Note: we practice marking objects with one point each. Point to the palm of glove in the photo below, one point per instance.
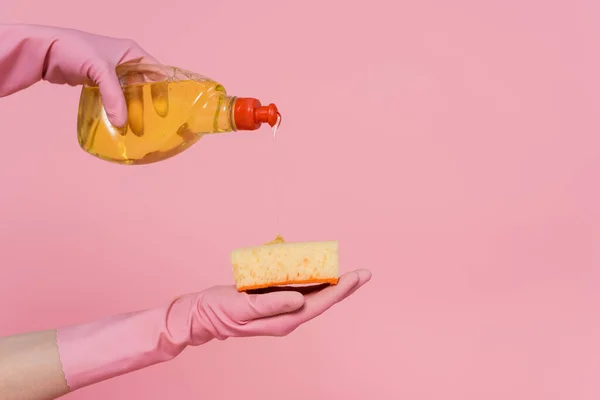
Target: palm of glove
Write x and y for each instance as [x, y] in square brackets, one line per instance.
[221, 312]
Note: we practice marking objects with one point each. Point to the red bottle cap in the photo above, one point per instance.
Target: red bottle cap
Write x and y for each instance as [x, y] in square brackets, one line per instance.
[249, 114]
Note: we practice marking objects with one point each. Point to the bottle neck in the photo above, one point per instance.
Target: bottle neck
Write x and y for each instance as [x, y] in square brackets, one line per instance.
[225, 117]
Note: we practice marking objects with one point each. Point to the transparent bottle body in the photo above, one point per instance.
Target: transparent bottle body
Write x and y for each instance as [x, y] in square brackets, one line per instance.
[169, 109]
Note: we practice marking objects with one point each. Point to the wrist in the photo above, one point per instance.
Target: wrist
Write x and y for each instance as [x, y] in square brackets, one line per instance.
[124, 343]
[23, 54]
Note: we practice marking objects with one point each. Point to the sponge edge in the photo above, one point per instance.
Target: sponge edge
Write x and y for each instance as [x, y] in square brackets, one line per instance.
[285, 264]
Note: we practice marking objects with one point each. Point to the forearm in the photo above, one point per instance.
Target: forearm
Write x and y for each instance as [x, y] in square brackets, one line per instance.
[23, 53]
[120, 344]
[48, 364]
[30, 367]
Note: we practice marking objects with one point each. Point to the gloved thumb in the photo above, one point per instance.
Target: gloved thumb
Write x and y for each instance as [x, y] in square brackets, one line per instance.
[269, 305]
[112, 95]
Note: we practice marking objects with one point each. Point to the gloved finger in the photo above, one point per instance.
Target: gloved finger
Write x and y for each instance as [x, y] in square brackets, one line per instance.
[364, 276]
[159, 91]
[257, 306]
[111, 93]
[134, 97]
[153, 71]
[314, 305]
[134, 94]
[136, 54]
[319, 302]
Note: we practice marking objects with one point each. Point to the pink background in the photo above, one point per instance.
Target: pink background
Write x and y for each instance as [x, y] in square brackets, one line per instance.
[451, 147]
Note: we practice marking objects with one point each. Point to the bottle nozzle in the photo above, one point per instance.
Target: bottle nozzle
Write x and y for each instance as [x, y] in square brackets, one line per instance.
[249, 114]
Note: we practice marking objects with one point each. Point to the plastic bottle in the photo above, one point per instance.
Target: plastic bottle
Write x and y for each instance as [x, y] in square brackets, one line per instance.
[169, 109]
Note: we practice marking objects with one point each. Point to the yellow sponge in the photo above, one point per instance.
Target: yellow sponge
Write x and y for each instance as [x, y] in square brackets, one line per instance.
[278, 263]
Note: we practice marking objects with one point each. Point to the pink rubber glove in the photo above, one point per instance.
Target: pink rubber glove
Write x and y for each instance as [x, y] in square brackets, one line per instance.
[97, 351]
[30, 53]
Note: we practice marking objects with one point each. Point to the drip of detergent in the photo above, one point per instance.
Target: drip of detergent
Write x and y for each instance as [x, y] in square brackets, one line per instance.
[276, 126]
[274, 173]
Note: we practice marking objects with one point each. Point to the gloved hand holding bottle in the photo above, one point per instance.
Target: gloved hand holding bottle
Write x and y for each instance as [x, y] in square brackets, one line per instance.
[30, 53]
[132, 109]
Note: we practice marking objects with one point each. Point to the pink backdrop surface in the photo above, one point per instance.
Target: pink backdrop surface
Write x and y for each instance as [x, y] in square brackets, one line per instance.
[451, 147]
